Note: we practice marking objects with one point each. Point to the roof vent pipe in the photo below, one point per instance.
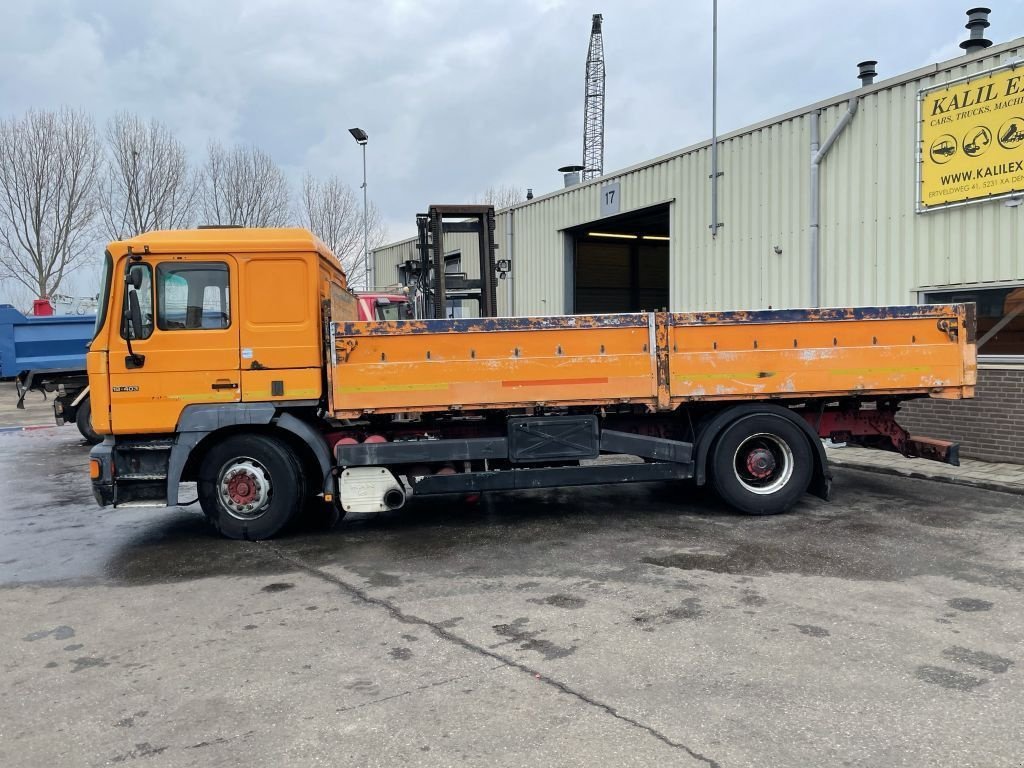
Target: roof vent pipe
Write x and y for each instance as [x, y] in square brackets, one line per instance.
[866, 72]
[571, 174]
[977, 23]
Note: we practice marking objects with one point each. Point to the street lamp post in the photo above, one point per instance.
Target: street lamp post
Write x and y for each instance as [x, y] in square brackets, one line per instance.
[362, 137]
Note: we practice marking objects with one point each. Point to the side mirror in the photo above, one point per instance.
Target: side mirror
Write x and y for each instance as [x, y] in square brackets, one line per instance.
[133, 314]
[135, 276]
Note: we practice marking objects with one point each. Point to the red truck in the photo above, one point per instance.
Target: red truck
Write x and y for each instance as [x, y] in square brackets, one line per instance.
[386, 305]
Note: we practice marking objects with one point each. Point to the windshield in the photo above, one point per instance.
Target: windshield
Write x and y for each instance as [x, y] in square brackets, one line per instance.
[396, 310]
[103, 299]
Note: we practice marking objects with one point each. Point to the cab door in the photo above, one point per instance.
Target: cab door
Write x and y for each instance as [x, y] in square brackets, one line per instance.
[186, 351]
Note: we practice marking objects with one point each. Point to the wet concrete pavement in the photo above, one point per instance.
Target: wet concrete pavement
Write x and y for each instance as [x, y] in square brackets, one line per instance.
[38, 408]
[606, 626]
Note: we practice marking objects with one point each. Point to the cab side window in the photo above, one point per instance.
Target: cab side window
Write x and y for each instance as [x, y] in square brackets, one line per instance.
[193, 296]
[144, 293]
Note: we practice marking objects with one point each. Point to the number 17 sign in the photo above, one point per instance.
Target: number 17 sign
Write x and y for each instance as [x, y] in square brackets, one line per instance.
[611, 199]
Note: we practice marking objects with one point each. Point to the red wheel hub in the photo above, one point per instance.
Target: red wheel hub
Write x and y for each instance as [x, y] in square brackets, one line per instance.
[760, 463]
[242, 488]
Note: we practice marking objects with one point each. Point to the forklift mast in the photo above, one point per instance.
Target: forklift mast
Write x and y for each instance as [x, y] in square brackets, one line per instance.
[438, 287]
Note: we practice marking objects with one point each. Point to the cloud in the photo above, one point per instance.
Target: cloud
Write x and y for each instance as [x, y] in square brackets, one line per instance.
[457, 95]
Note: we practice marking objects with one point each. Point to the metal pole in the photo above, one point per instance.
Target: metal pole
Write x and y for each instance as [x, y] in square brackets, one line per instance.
[366, 226]
[813, 223]
[510, 226]
[714, 118]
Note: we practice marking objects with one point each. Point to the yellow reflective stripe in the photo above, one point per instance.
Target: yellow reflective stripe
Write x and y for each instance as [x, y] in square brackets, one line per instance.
[895, 369]
[204, 396]
[394, 388]
[833, 372]
[737, 375]
[288, 392]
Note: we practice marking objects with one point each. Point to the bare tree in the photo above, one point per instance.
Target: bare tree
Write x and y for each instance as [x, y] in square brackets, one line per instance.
[331, 210]
[503, 196]
[49, 163]
[147, 184]
[243, 186]
[17, 295]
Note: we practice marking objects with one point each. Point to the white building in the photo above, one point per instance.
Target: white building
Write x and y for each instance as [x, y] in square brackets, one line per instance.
[640, 239]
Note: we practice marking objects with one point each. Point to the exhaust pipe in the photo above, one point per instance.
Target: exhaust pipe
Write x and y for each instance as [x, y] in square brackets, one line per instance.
[394, 498]
[570, 174]
[977, 23]
[867, 72]
[370, 489]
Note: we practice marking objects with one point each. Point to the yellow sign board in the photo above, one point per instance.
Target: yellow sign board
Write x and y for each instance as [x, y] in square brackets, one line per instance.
[972, 139]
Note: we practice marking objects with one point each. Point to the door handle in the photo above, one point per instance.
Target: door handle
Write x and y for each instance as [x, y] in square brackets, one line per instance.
[224, 384]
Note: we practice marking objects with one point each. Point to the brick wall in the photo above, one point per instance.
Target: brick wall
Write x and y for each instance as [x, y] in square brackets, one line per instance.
[990, 427]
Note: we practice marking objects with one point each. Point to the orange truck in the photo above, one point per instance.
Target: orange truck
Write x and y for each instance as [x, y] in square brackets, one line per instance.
[235, 359]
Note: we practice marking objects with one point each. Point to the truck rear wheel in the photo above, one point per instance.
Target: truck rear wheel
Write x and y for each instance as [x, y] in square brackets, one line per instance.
[762, 464]
[83, 420]
[250, 486]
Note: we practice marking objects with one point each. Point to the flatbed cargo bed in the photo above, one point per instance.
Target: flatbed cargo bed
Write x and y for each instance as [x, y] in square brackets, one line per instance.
[657, 360]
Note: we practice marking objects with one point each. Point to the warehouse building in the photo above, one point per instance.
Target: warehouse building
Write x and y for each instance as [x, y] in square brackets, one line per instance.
[903, 191]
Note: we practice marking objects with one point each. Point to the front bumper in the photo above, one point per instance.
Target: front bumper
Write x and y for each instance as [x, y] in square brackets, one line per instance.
[130, 471]
[103, 486]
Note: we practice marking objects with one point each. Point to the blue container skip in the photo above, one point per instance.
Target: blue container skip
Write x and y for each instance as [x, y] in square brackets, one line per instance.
[41, 343]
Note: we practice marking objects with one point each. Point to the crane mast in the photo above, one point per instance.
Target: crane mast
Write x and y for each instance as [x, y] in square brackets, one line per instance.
[593, 104]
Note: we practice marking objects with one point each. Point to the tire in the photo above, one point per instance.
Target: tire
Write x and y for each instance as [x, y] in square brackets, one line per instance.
[317, 514]
[762, 464]
[320, 515]
[83, 420]
[250, 486]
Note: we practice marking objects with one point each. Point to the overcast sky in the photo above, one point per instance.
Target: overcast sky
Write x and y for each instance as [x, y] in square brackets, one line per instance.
[456, 95]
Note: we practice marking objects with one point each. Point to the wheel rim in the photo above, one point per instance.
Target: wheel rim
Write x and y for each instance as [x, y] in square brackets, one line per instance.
[244, 489]
[763, 463]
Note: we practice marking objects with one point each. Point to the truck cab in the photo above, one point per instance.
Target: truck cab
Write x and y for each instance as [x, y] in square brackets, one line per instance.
[210, 316]
[194, 326]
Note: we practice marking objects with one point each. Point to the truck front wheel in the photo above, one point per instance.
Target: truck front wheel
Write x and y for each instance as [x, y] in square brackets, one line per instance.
[762, 464]
[250, 486]
[83, 420]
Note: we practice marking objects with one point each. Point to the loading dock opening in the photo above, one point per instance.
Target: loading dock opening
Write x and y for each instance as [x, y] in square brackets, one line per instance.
[620, 263]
